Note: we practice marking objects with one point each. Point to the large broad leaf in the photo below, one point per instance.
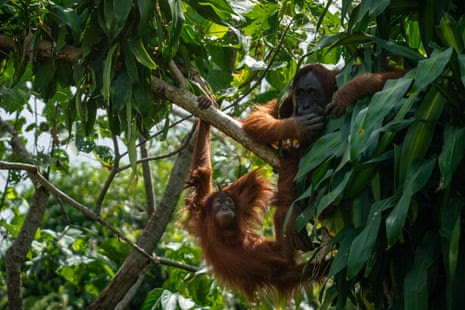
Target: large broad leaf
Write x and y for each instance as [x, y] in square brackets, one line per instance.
[121, 91]
[323, 148]
[330, 197]
[43, 81]
[451, 214]
[345, 237]
[452, 153]
[152, 301]
[218, 11]
[138, 50]
[375, 7]
[416, 281]
[121, 9]
[362, 245]
[107, 65]
[364, 127]
[420, 134]
[397, 49]
[430, 69]
[69, 18]
[449, 32]
[176, 26]
[145, 12]
[417, 176]
[461, 59]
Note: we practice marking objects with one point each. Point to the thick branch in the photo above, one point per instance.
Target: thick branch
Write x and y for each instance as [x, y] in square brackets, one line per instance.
[45, 49]
[16, 254]
[45, 184]
[217, 118]
[129, 272]
[147, 174]
[182, 98]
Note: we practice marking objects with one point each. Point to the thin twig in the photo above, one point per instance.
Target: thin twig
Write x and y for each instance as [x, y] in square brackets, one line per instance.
[151, 158]
[265, 72]
[147, 174]
[31, 169]
[182, 83]
[111, 176]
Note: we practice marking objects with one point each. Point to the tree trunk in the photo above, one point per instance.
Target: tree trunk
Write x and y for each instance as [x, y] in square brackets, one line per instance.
[134, 264]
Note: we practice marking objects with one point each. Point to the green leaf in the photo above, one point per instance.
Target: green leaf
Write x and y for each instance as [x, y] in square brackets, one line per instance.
[121, 9]
[452, 153]
[330, 197]
[218, 11]
[449, 32]
[450, 219]
[152, 301]
[146, 9]
[43, 80]
[420, 134]
[455, 246]
[417, 176]
[91, 114]
[430, 69]
[461, 60]
[374, 7]
[324, 147]
[107, 65]
[259, 18]
[138, 50]
[341, 38]
[427, 21]
[413, 34]
[416, 280]
[340, 260]
[121, 91]
[130, 63]
[362, 245]
[70, 18]
[176, 26]
[366, 126]
[397, 49]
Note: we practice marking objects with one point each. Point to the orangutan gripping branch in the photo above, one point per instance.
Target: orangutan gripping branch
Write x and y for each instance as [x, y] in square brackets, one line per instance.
[298, 122]
[224, 221]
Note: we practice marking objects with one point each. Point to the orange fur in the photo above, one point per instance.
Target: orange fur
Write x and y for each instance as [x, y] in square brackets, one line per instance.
[238, 256]
[272, 123]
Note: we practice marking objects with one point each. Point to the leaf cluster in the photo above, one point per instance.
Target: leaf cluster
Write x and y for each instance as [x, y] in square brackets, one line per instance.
[385, 180]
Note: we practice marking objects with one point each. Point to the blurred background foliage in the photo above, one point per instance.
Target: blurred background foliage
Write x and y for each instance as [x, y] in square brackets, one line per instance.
[387, 177]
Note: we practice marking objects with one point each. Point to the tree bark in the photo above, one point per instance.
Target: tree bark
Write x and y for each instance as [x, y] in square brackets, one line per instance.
[16, 254]
[217, 118]
[129, 272]
[178, 96]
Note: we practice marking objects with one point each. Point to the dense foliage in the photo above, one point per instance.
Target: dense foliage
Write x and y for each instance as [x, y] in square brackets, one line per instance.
[386, 177]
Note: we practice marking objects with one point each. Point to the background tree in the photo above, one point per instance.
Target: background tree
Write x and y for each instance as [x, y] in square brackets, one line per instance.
[101, 77]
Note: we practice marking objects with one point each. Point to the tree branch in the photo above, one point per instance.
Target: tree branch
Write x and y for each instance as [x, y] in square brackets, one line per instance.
[129, 272]
[46, 184]
[147, 174]
[217, 118]
[180, 97]
[16, 254]
[111, 176]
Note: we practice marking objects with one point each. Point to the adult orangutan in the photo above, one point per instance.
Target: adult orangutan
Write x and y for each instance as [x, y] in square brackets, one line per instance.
[298, 121]
[224, 220]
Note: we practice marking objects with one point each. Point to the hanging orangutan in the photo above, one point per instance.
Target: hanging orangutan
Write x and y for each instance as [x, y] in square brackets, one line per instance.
[224, 222]
[298, 122]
